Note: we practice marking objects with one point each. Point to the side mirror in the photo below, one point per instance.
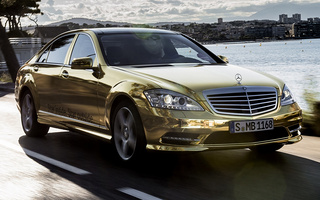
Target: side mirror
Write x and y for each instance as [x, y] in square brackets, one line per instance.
[82, 63]
[223, 58]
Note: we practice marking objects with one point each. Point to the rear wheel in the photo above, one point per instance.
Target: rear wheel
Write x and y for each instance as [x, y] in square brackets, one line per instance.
[268, 148]
[128, 134]
[29, 121]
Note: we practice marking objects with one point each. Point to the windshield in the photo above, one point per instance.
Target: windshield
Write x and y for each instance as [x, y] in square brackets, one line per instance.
[151, 48]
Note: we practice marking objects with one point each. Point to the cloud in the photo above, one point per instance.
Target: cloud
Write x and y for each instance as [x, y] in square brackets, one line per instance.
[50, 2]
[148, 11]
[175, 2]
[48, 8]
[80, 6]
[172, 11]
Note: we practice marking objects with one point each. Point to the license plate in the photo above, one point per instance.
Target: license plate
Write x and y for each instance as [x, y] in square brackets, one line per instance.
[251, 126]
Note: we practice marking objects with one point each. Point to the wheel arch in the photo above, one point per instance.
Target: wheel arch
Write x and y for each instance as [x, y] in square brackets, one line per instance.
[122, 97]
[22, 92]
[129, 90]
[26, 83]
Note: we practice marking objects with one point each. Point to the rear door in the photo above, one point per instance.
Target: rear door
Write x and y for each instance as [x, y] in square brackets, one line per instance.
[46, 72]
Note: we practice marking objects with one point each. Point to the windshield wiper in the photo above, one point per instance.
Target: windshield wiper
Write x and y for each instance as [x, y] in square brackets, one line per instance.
[146, 65]
[202, 64]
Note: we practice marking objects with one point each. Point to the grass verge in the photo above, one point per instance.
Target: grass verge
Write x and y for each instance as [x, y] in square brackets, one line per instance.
[5, 77]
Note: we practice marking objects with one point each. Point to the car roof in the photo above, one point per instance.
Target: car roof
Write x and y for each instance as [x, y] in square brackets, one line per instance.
[103, 31]
[119, 30]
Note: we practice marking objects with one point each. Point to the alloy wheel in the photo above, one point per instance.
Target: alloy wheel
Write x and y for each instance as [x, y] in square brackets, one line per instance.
[125, 137]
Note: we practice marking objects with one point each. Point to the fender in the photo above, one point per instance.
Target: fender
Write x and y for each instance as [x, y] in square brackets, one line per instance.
[127, 89]
[26, 82]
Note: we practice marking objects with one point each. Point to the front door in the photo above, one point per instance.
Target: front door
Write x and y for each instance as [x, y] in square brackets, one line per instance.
[79, 92]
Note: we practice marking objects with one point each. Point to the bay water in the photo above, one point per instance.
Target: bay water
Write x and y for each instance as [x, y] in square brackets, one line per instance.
[296, 62]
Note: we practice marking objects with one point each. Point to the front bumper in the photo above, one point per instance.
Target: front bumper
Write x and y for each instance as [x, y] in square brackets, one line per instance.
[198, 131]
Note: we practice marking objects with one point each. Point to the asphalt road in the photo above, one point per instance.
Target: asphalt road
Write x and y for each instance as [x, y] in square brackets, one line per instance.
[65, 165]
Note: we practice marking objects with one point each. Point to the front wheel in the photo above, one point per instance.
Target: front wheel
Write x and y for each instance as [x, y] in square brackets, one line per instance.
[128, 135]
[29, 121]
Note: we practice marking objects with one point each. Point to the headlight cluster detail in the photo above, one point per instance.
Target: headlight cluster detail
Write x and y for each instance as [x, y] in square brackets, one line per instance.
[161, 98]
[287, 97]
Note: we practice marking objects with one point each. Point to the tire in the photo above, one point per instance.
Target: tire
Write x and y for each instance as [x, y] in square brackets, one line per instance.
[29, 118]
[268, 148]
[127, 132]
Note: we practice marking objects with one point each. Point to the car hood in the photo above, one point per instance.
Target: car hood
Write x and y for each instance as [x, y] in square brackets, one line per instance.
[199, 78]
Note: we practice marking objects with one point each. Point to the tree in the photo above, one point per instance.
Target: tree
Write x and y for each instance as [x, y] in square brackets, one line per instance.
[8, 53]
[13, 10]
[71, 25]
[99, 25]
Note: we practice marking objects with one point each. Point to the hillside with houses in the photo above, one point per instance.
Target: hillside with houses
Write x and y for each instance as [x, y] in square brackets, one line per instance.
[253, 30]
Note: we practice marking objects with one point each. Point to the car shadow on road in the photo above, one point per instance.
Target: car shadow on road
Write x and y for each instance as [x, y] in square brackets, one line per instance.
[233, 174]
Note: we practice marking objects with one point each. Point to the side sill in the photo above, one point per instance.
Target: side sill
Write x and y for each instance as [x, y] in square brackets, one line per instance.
[60, 121]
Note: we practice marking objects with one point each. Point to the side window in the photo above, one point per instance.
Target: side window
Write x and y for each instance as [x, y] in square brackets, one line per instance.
[83, 48]
[43, 57]
[59, 49]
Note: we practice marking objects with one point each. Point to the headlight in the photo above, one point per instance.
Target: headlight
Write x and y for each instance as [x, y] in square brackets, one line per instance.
[160, 98]
[287, 97]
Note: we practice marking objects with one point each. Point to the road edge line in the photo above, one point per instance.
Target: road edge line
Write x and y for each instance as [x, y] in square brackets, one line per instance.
[44, 158]
[137, 194]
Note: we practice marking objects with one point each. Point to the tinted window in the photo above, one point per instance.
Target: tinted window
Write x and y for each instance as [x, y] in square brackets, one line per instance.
[140, 49]
[59, 50]
[83, 48]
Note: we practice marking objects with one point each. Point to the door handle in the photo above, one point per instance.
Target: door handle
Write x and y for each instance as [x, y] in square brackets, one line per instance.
[36, 68]
[65, 74]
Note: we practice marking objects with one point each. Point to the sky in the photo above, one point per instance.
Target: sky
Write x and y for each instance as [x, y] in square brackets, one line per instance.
[152, 11]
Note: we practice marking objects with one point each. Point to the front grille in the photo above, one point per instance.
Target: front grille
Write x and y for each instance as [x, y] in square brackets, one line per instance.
[242, 100]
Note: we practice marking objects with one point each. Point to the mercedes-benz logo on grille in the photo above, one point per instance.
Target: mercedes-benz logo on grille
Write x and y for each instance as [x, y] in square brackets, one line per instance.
[238, 78]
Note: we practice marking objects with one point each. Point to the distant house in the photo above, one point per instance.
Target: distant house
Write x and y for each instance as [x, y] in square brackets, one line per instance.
[46, 33]
[306, 29]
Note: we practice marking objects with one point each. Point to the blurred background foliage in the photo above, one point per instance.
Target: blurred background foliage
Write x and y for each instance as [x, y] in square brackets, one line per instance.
[311, 117]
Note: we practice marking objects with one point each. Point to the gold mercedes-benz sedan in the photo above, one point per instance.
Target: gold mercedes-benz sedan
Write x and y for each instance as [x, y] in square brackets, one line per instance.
[152, 89]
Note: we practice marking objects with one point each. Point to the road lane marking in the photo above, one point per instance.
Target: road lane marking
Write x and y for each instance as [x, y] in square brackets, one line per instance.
[138, 194]
[43, 158]
[56, 163]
